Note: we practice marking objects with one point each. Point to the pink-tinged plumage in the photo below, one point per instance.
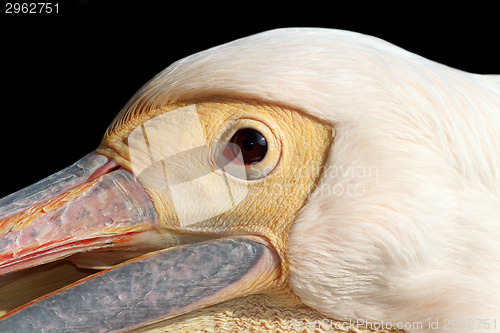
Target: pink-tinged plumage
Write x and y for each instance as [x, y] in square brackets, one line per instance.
[403, 224]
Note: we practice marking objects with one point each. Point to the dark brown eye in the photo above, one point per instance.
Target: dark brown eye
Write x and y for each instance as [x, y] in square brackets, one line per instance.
[247, 144]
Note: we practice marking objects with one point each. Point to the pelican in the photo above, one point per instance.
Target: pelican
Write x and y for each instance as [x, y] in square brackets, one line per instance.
[297, 179]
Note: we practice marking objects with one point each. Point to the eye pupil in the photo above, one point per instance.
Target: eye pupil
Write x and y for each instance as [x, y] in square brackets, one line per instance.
[250, 143]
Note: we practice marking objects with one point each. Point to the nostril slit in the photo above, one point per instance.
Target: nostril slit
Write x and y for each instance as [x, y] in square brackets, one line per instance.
[106, 168]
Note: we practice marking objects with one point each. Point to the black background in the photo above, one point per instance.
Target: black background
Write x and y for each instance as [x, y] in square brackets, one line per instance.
[65, 76]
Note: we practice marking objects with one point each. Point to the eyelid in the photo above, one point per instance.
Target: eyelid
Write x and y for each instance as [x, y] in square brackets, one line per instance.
[254, 172]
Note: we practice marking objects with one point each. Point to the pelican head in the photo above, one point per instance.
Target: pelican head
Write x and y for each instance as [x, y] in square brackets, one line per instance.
[362, 178]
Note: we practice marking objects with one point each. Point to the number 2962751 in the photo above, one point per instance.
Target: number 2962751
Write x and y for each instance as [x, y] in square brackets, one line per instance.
[31, 8]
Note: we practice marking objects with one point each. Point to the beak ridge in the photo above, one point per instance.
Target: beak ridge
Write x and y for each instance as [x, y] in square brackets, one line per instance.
[83, 207]
[56, 184]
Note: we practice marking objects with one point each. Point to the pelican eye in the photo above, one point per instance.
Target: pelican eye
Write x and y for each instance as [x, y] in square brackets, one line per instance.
[248, 149]
[248, 142]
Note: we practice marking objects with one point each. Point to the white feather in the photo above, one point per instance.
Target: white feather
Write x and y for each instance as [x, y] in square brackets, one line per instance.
[404, 223]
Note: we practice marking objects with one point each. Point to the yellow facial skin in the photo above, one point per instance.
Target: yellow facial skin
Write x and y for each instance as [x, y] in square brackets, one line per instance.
[265, 206]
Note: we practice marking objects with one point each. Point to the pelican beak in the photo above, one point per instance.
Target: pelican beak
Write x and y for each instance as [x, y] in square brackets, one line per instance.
[92, 204]
[95, 207]
[193, 229]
